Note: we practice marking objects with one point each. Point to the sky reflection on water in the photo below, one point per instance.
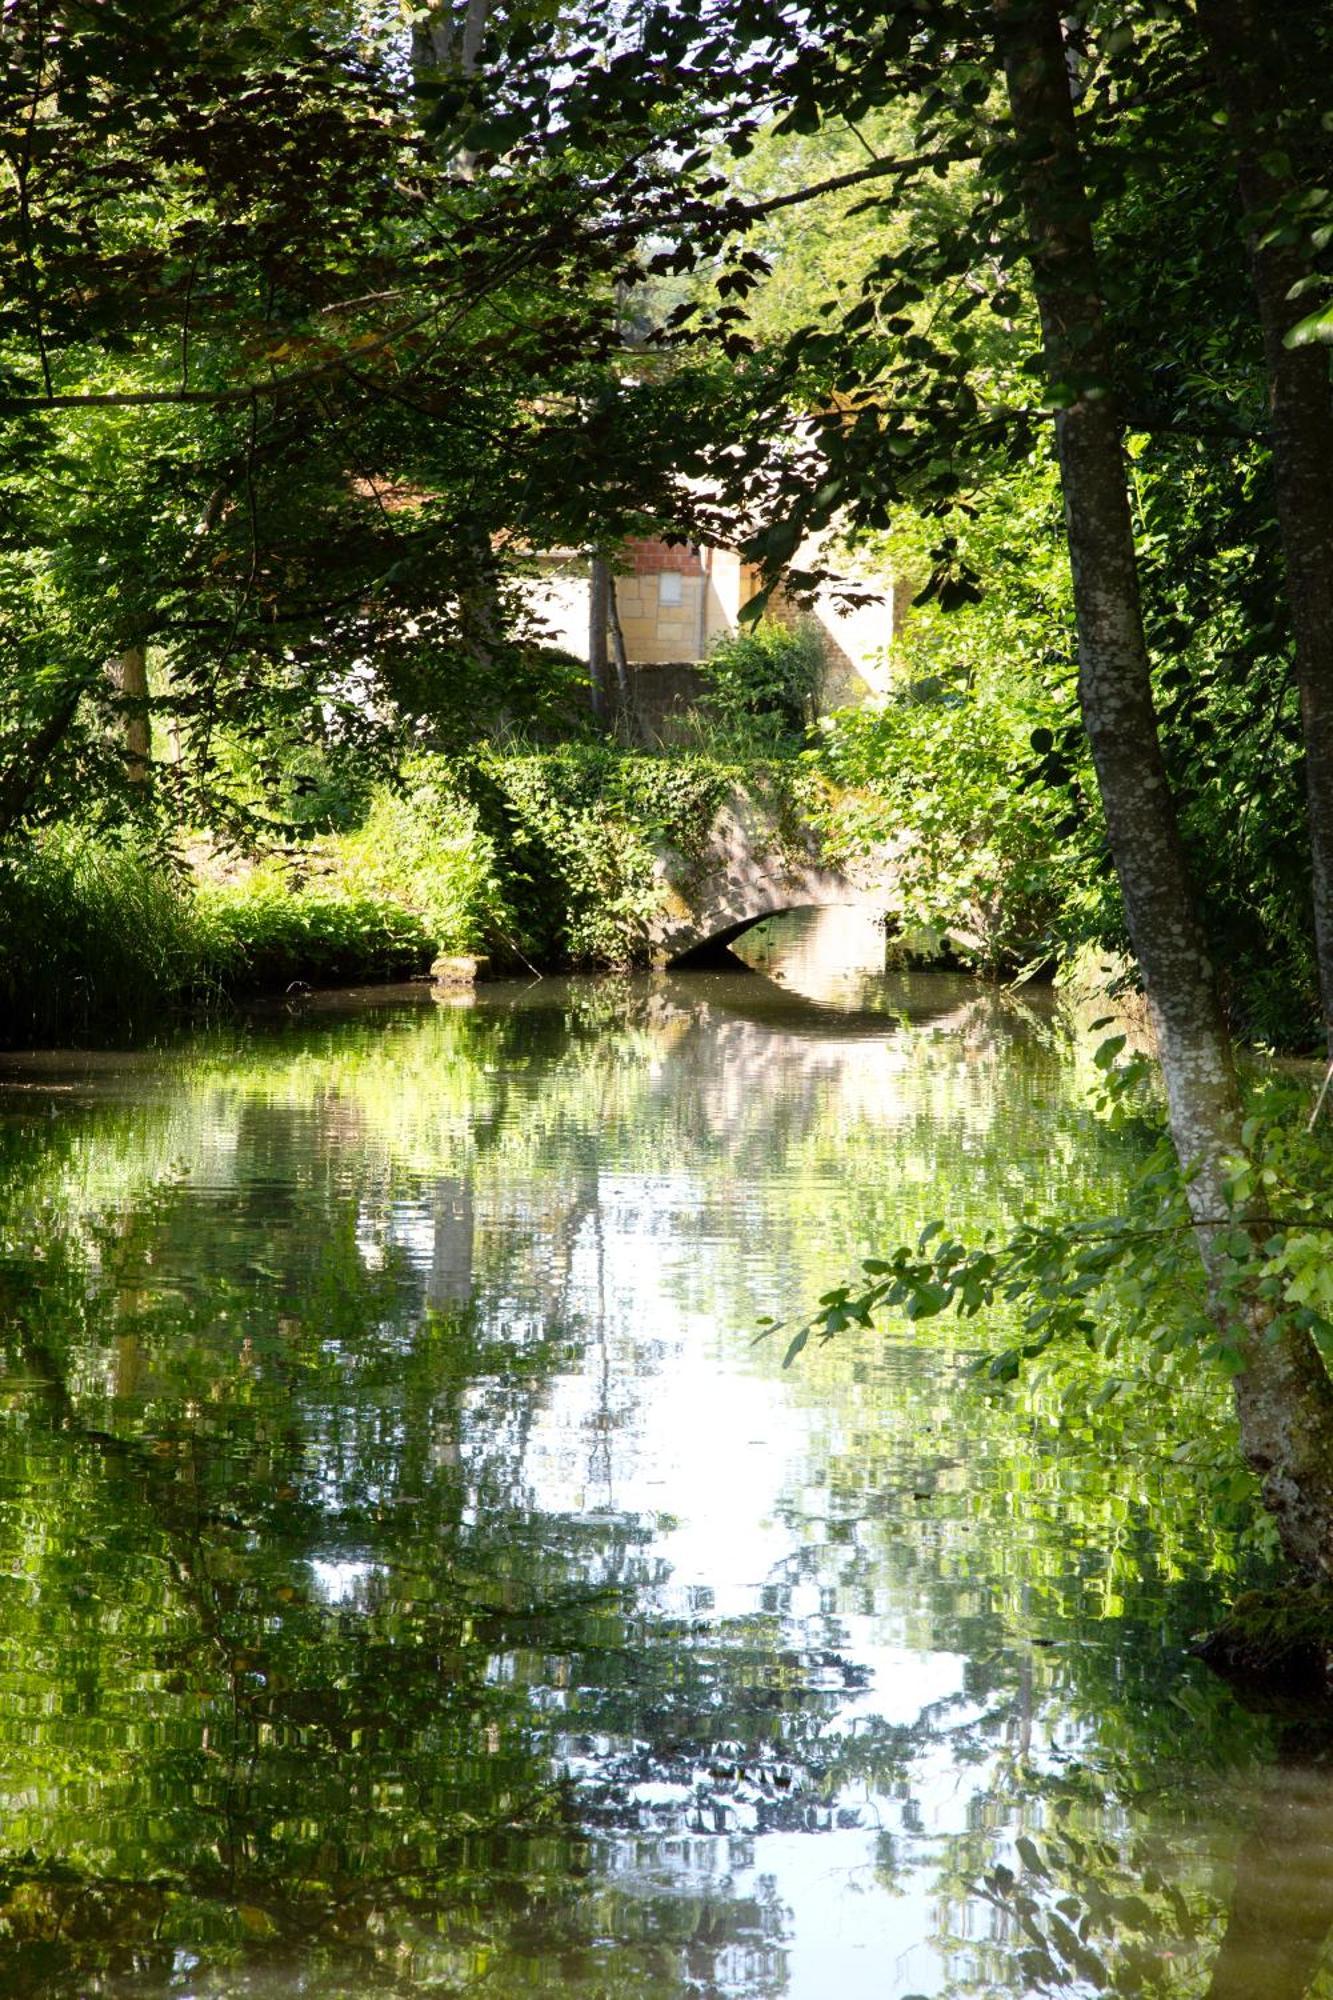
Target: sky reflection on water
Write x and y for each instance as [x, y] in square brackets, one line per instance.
[417, 1579]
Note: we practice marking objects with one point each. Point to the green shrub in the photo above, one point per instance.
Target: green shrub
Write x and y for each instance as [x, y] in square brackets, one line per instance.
[946, 772]
[417, 877]
[763, 684]
[548, 857]
[264, 932]
[105, 938]
[576, 833]
[421, 847]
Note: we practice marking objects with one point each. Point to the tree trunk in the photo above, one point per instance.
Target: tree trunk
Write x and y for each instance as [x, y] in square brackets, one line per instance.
[132, 679]
[442, 45]
[476, 20]
[438, 45]
[1248, 59]
[481, 617]
[624, 689]
[445, 46]
[1284, 1398]
[433, 43]
[599, 611]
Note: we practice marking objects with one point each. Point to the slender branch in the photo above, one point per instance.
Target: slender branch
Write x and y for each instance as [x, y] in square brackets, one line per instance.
[732, 216]
[365, 299]
[860, 138]
[877, 170]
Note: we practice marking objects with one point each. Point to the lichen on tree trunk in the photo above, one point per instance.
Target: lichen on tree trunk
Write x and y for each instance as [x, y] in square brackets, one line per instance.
[624, 686]
[132, 679]
[599, 611]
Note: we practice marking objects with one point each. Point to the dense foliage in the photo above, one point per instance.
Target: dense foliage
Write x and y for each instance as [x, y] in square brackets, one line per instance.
[289, 389]
[544, 859]
[311, 336]
[762, 685]
[978, 757]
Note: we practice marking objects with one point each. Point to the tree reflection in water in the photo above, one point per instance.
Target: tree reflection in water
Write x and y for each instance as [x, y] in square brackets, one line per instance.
[1080, 1913]
[355, 1638]
[1281, 1909]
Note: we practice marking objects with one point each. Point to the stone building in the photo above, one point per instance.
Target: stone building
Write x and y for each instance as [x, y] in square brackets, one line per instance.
[675, 600]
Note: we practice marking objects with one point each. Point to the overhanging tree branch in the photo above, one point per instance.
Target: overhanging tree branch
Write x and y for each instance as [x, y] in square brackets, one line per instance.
[877, 170]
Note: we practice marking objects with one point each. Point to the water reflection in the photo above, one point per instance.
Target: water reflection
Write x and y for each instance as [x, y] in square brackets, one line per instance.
[414, 1579]
[836, 956]
[1281, 1908]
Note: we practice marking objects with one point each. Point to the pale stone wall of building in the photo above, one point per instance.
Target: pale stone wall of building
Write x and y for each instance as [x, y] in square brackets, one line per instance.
[856, 645]
[557, 598]
[856, 639]
[668, 616]
[675, 602]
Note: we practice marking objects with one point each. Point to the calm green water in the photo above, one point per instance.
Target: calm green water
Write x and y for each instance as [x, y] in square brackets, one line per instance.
[414, 1579]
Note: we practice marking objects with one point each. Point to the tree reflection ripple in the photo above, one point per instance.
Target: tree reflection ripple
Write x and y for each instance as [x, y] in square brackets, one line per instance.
[416, 1580]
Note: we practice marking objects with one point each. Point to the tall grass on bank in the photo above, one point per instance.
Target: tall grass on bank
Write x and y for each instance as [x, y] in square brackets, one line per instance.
[101, 938]
[93, 933]
[267, 931]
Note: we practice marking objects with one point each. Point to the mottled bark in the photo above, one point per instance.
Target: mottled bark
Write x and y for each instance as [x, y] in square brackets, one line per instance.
[1248, 62]
[620, 658]
[481, 618]
[476, 20]
[444, 41]
[132, 679]
[1284, 1399]
[447, 44]
[433, 43]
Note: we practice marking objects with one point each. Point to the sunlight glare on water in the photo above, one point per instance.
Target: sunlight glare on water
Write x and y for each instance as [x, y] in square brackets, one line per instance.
[418, 1579]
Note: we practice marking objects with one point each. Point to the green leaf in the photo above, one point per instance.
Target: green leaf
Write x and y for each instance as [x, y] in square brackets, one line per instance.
[1316, 326]
[796, 1346]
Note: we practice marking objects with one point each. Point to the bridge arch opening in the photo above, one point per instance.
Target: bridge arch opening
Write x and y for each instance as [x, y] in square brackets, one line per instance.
[714, 953]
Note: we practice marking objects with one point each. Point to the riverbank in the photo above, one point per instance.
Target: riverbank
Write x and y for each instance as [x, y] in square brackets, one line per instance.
[544, 860]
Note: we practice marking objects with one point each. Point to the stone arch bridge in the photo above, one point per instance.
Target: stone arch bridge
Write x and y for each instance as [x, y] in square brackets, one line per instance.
[751, 865]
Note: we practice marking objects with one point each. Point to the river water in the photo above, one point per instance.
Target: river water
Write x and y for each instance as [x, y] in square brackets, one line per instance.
[415, 1578]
